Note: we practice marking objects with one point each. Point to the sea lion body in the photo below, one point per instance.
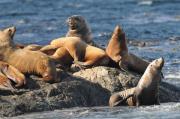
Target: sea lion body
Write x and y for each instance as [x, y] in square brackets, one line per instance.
[117, 50]
[147, 90]
[82, 53]
[25, 61]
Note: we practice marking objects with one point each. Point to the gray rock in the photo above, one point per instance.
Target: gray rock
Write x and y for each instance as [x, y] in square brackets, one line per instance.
[90, 87]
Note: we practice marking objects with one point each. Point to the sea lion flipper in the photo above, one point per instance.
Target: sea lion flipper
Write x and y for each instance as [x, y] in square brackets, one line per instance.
[123, 67]
[121, 101]
[13, 74]
[80, 64]
[48, 49]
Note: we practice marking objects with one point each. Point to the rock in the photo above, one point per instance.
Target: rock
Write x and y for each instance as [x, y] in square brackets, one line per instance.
[142, 43]
[115, 80]
[90, 87]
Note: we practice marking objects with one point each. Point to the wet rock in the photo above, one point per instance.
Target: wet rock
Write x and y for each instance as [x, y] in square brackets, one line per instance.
[115, 80]
[174, 38]
[90, 87]
[142, 43]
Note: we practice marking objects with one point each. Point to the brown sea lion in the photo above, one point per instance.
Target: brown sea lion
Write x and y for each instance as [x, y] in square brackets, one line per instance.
[117, 50]
[60, 56]
[25, 61]
[83, 55]
[7, 73]
[147, 90]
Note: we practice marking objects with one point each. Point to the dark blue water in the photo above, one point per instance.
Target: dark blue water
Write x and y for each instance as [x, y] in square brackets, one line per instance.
[153, 21]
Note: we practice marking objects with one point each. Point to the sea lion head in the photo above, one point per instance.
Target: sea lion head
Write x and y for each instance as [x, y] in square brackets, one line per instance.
[76, 22]
[6, 35]
[158, 63]
[117, 46]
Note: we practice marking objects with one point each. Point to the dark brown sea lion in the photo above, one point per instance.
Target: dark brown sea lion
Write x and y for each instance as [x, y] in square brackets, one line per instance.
[117, 50]
[147, 90]
[25, 61]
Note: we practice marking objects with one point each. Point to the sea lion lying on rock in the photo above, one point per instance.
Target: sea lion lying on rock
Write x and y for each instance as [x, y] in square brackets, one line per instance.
[82, 54]
[25, 61]
[117, 50]
[7, 73]
[147, 90]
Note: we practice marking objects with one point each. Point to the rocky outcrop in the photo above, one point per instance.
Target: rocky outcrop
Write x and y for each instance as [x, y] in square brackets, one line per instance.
[90, 87]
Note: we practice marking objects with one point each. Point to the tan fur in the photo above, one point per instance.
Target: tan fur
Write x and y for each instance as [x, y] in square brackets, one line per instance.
[26, 61]
[62, 57]
[117, 50]
[81, 52]
[7, 73]
[147, 90]
[33, 47]
[117, 47]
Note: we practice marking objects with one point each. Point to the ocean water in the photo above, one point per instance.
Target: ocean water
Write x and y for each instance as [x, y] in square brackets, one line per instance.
[154, 21]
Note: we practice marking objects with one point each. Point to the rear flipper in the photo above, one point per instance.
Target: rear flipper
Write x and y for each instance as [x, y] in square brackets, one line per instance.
[5, 83]
[13, 74]
[120, 102]
[49, 49]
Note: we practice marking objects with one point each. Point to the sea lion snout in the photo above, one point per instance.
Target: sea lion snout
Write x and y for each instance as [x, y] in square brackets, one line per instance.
[11, 31]
[73, 21]
[159, 63]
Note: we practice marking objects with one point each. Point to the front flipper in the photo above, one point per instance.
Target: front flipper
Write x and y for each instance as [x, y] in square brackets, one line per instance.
[13, 74]
[81, 65]
[123, 67]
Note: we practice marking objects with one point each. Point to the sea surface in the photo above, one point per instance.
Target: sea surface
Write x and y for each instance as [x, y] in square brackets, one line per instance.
[155, 22]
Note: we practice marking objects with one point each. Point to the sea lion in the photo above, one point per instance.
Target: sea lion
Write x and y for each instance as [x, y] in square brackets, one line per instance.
[117, 50]
[7, 73]
[78, 27]
[147, 90]
[60, 56]
[83, 55]
[25, 61]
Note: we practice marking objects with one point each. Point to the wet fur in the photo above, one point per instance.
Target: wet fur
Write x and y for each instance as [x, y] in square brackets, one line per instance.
[147, 90]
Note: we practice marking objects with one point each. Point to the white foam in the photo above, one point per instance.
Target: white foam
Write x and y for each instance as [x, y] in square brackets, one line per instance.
[173, 76]
[146, 2]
